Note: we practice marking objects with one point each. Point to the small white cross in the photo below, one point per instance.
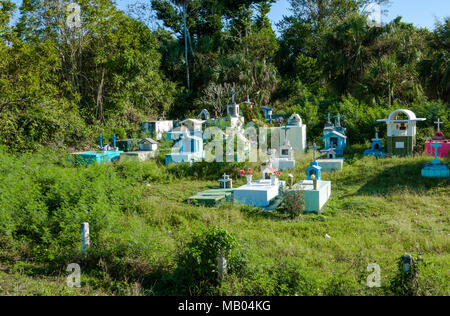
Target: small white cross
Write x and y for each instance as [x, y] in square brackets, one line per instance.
[439, 123]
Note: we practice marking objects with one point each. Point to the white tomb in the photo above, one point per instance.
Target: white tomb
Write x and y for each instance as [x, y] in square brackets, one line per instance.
[285, 159]
[314, 199]
[157, 128]
[331, 163]
[294, 132]
[139, 155]
[260, 193]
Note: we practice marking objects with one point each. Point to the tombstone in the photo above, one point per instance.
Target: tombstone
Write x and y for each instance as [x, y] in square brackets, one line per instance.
[204, 115]
[157, 128]
[285, 159]
[261, 193]
[376, 149]
[148, 144]
[334, 136]
[267, 112]
[314, 169]
[226, 182]
[436, 169]
[233, 113]
[315, 195]
[444, 149]
[194, 126]
[190, 150]
[294, 132]
[401, 132]
[295, 120]
[147, 149]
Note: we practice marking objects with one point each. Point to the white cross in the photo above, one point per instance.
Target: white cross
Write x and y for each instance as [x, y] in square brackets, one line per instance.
[439, 122]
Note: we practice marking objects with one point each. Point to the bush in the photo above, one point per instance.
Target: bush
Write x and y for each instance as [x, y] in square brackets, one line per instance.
[293, 203]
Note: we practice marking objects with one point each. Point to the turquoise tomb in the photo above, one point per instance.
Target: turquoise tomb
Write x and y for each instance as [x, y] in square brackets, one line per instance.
[436, 169]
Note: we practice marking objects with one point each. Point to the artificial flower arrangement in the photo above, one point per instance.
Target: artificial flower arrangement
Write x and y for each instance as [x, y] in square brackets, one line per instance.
[247, 172]
[280, 120]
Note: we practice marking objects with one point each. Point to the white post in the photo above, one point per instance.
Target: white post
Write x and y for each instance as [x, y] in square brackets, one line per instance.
[221, 264]
[85, 242]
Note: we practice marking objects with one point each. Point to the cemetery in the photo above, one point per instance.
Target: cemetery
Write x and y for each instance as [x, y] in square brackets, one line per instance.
[197, 148]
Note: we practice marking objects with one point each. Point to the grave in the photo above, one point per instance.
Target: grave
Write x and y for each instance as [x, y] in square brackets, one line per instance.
[157, 128]
[444, 149]
[331, 162]
[215, 196]
[334, 135]
[401, 132]
[147, 149]
[106, 153]
[436, 169]
[262, 192]
[204, 115]
[294, 132]
[315, 196]
[212, 197]
[267, 112]
[233, 113]
[226, 182]
[285, 159]
[314, 169]
[190, 149]
[376, 149]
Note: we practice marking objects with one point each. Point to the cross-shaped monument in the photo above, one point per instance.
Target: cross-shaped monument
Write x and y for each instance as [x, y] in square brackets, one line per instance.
[338, 119]
[285, 131]
[101, 138]
[436, 145]
[114, 139]
[439, 123]
[314, 147]
[329, 118]
[233, 93]
[376, 139]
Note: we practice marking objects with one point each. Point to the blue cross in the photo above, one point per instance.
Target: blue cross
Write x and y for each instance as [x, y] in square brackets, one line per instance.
[101, 138]
[436, 145]
[114, 138]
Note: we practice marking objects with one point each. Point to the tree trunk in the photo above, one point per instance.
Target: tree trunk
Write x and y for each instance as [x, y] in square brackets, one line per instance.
[100, 96]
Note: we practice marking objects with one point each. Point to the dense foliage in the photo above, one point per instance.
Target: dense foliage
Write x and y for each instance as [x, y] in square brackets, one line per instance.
[60, 85]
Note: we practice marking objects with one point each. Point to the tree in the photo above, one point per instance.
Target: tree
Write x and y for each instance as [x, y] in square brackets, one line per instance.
[435, 67]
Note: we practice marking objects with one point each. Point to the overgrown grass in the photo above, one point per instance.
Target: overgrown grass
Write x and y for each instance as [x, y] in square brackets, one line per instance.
[141, 227]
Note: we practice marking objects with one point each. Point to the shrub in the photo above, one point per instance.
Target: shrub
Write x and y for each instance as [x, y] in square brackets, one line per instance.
[293, 203]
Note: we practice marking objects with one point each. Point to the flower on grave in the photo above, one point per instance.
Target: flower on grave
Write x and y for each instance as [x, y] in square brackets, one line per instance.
[293, 203]
[280, 120]
[247, 172]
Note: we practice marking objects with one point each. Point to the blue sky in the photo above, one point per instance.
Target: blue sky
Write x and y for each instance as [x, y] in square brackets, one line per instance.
[419, 12]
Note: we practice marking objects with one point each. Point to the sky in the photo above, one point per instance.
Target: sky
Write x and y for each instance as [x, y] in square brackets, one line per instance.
[419, 12]
[423, 13]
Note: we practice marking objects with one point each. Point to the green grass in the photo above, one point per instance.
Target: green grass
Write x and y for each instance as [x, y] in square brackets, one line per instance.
[380, 209]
